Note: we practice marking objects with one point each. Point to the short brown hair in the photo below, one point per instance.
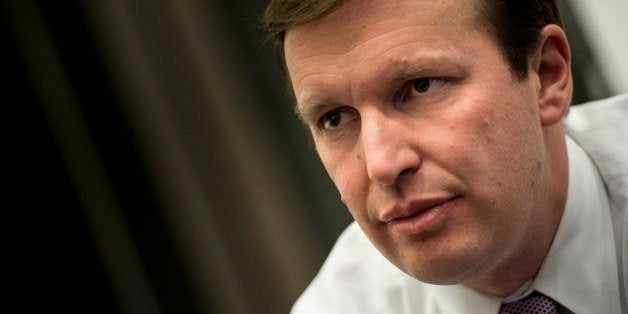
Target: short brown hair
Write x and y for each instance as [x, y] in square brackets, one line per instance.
[516, 24]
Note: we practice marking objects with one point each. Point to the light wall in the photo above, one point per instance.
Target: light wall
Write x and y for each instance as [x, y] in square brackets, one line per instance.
[605, 27]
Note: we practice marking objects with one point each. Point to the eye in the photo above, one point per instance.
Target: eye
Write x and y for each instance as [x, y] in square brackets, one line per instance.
[423, 86]
[334, 119]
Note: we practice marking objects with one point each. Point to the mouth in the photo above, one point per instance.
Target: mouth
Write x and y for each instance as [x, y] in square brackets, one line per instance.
[418, 216]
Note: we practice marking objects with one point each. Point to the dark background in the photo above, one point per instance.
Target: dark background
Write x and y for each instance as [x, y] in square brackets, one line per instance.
[155, 163]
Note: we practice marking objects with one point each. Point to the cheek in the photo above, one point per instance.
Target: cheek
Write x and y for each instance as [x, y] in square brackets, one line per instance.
[459, 144]
[503, 153]
[491, 149]
[347, 171]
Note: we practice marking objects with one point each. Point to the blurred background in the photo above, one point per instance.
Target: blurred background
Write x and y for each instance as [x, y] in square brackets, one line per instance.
[156, 164]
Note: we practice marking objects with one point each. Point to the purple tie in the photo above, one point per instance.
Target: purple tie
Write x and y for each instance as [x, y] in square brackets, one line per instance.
[535, 303]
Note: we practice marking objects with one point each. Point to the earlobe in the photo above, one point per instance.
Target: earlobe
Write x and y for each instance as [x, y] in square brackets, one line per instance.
[552, 64]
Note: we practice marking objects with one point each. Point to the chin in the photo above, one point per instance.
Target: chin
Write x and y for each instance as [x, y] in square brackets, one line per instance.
[439, 274]
[447, 268]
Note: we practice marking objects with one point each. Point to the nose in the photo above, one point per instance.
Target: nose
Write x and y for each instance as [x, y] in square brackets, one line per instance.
[389, 148]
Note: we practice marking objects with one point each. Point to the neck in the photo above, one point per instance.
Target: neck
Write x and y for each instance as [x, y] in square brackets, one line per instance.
[511, 274]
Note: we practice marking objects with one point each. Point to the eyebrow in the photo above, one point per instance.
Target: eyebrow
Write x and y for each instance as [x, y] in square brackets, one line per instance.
[307, 110]
[425, 68]
[409, 73]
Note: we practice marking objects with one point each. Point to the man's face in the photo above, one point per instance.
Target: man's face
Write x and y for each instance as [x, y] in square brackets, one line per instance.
[436, 149]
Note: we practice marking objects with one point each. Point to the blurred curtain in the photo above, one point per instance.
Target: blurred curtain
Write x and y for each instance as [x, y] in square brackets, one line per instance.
[197, 185]
[162, 167]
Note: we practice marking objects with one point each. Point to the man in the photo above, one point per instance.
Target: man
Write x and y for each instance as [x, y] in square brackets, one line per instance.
[440, 123]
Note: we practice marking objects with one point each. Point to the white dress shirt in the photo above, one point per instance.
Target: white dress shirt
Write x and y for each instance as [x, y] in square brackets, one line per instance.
[583, 270]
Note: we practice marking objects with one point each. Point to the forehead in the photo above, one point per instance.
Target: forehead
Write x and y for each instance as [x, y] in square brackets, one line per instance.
[359, 21]
[363, 38]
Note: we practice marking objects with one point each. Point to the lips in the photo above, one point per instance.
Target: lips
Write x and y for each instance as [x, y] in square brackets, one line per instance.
[417, 216]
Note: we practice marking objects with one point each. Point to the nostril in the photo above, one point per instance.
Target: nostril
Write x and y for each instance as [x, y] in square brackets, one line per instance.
[407, 171]
[406, 175]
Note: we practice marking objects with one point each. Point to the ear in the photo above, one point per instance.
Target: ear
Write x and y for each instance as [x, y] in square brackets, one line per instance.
[551, 62]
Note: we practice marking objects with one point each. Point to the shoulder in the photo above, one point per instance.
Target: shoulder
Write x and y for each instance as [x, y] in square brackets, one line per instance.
[355, 278]
[601, 128]
[599, 114]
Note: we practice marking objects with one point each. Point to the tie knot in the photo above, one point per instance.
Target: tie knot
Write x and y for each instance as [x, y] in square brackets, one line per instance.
[535, 303]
